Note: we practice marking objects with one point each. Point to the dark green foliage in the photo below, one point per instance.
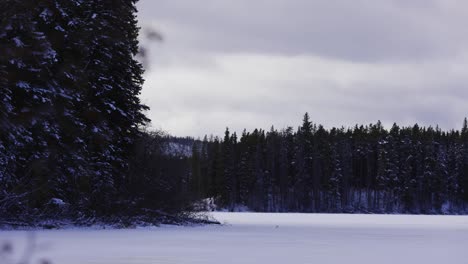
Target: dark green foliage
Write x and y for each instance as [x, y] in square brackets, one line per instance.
[364, 169]
[70, 113]
[159, 176]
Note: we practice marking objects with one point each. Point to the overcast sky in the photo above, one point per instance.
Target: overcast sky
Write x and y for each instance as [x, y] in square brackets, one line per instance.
[256, 63]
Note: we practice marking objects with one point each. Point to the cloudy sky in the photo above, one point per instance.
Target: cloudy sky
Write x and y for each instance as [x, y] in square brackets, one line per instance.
[256, 63]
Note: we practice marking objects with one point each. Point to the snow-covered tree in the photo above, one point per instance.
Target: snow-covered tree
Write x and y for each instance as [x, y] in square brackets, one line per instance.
[70, 111]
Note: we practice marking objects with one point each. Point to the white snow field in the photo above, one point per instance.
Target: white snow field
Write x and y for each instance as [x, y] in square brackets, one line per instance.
[264, 238]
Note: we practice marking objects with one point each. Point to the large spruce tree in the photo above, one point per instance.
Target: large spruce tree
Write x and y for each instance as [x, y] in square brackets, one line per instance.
[70, 111]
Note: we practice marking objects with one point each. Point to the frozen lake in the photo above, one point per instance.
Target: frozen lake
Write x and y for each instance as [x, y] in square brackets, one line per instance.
[264, 238]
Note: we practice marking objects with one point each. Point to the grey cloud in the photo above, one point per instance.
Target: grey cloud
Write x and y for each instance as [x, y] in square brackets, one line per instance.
[361, 30]
[281, 90]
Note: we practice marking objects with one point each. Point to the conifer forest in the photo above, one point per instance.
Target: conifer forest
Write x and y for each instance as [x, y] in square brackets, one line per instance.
[365, 169]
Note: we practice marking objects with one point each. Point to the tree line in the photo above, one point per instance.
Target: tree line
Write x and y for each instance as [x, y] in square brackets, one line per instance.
[366, 169]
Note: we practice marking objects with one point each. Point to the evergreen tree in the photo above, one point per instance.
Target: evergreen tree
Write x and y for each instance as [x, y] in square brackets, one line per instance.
[196, 177]
[463, 171]
[246, 174]
[335, 181]
[306, 154]
[70, 113]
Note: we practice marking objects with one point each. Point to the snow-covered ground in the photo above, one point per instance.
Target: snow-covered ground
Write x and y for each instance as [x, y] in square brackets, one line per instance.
[264, 238]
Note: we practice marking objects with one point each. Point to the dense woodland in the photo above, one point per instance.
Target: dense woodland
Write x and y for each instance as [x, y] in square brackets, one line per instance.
[71, 138]
[73, 143]
[364, 169]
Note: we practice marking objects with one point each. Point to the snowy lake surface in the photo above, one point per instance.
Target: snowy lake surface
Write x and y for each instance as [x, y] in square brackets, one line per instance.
[263, 238]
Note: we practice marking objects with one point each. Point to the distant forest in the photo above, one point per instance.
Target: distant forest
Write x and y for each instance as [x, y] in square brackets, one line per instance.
[365, 169]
